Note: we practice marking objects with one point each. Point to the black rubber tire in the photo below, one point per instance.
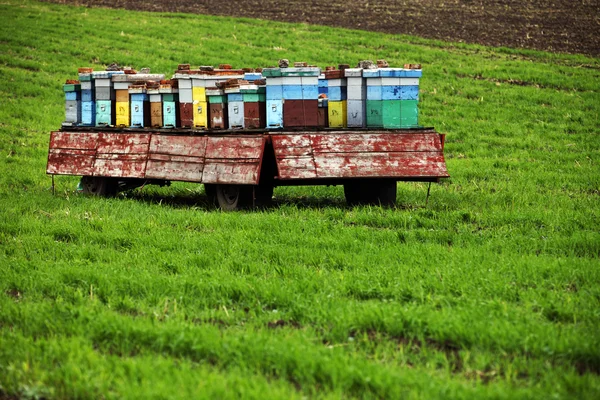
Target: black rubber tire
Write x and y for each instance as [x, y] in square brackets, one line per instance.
[233, 197]
[385, 193]
[99, 186]
[370, 192]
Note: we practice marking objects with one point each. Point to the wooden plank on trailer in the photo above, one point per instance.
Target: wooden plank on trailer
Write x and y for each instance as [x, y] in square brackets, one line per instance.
[293, 155]
[120, 165]
[235, 147]
[296, 168]
[73, 140]
[233, 159]
[360, 143]
[122, 155]
[71, 153]
[70, 162]
[176, 168]
[178, 158]
[242, 172]
[402, 164]
[193, 146]
[123, 143]
[292, 145]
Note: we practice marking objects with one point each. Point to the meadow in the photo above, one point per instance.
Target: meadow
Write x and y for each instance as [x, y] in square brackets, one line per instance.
[491, 290]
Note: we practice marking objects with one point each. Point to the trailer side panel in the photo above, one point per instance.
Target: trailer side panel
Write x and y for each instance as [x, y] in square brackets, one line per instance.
[359, 155]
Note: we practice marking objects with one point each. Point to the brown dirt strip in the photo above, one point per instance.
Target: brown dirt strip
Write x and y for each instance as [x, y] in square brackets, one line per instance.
[569, 26]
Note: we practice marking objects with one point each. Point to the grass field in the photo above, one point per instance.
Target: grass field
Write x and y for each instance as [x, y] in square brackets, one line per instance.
[492, 290]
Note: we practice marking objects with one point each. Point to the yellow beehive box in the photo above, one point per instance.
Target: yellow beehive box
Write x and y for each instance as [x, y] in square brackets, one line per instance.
[122, 113]
[199, 94]
[200, 113]
[337, 114]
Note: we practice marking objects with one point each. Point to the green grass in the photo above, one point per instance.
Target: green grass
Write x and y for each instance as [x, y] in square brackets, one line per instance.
[492, 290]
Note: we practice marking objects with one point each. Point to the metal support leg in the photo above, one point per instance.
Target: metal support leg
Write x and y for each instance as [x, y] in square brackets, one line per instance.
[428, 191]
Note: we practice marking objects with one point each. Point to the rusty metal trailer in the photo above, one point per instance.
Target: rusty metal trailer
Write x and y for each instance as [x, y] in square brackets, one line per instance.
[242, 168]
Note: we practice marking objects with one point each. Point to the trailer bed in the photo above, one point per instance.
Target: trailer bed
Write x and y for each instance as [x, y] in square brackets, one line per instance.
[233, 158]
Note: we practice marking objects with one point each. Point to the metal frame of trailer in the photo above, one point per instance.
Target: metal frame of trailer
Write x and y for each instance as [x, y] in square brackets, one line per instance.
[241, 168]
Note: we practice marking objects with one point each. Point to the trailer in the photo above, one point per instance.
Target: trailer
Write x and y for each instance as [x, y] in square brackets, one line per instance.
[241, 168]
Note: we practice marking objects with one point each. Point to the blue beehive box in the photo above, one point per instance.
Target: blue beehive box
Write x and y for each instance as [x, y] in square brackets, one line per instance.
[138, 102]
[322, 84]
[390, 92]
[292, 92]
[409, 93]
[373, 92]
[274, 114]
[88, 113]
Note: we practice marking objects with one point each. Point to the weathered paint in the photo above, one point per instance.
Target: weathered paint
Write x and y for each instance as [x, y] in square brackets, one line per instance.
[209, 159]
[274, 109]
[338, 114]
[233, 159]
[218, 115]
[186, 115]
[104, 113]
[200, 109]
[293, 113]
[122, 113]
[311, 113]
[356, 113]
[156, 114]
[237, 159]
[374, 113]
[254, 115]
[348, 154]
[235, 112]
[176, 158]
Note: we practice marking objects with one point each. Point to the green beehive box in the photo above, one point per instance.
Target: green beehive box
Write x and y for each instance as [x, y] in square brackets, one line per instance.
[170, 97]
[253, 97]
[217, 99]
[374, 113]
[70, 87]
[271, 72]
[391, 117]
[409, 113]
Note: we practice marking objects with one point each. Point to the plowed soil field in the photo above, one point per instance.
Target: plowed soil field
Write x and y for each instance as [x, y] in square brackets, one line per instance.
[551, 25]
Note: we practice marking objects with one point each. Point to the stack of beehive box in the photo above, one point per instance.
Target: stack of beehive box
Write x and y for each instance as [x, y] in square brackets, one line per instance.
[132, 106]
[72, 89]
[337, 97]
[323, 118]
[357, 96]
[253, 90]
[292, 96]
[88, 103]
[392, 97]
[193, 101]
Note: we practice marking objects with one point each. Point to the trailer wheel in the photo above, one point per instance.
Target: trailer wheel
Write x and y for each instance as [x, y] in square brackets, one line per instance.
[373, 192]
[385, 193]
[99, 186]
[233, 197]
